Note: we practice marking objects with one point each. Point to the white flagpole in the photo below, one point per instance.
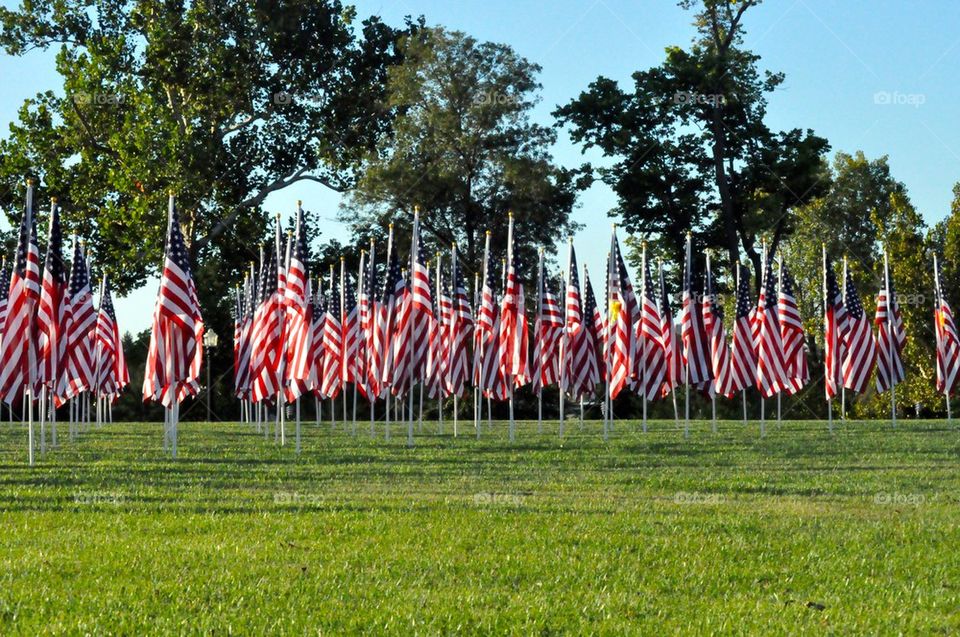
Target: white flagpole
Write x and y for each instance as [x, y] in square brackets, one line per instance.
[439, 306]
[42, 405]
[510, 377]
[938, 304]
[643, 344]
[713, 382]
[890, 326]
[779, 289]
[564, 336]
[537, 336]
[414, 250]
[455, 416]
[298, 425]
[763, 288]
[477, 357]
[743, 392]
[53, 420]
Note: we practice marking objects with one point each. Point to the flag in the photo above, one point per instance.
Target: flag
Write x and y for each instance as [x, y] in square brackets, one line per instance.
[332, 379]
[110, 364]
[439, 346]
[695, 348]
[716, 338]
[421, 306]
[368, 324]
[672, 345]
[19, 345]
[350, 338]
[547, 328]
[836, 325]
[486, 317]
[79, 321]
[297, 321]
[4, 292]
[51, 311]
[791, 334]
[743, 356]
[571, 354]
[619, 349]
[461, 328]
[391, 305]
[948, 343]
[318, 315]
[771, 375]
[593, 326]
[514, 340]
[891, 336]
[653, 362]
[860, 345]
[267, 348]
[177, 334]
[241, 342]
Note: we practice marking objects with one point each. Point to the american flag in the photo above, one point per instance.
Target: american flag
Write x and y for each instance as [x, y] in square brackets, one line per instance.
[351, 370]
[492, 381]
[80, 318]
[390, 305]
[572, 356]
[791, 333]
[439, 347]
[368, 319]
[619, 349]
[948, 343]
[4, 292]
[860, 345]
[486, 317]
[267, 330]
[891, 336]
[695, 348]
[51, 311]
[672, 346]
[399, 364]
[771, 373]
[547, 329]
[19, 371]
[743, 356]
[241, 342]
[332, 379]
[593, 323]
[112, 374]
[629, 305]
[177, 334]
[318, 320]
[297, 324]
[421, 306]
[653, 361]
[716, 337]
[514, 343]
[461, 327]
[835, 325]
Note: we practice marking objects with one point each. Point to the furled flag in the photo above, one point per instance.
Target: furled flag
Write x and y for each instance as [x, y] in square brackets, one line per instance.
[177, 334]
[547, 328]
[394, 289]
[369, 309]
[350, 328]
[461, 328]
[791, 333]
[492, 381]
[593, 328]
[836, 325]
[79, 321]
[297, 323]
[241, 350]
[438, 352]
[19, 346]
[112, 374]
[619, 349]
[332, 381]
[51, 311]
[4, 291]
[653, 361]
[267, 339]
[672, 345]
[585, 373]
[319, 322]
[514, 343]
[860, 345]
[571, 354]
[695, 348]
[421, 306]
[771, 375]
[743, 356]
[891, 336]
[948, 343]
[486, 314]
[716, 338]
[629, 305]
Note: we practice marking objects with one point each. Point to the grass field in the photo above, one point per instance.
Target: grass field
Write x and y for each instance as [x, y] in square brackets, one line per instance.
[802, 531]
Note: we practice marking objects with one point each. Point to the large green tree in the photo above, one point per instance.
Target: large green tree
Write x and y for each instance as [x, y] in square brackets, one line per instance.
[689, 146]
[465, 150]
[223, 102]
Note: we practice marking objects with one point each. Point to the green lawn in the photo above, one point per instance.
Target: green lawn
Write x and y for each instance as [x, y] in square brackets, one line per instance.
[802, 531]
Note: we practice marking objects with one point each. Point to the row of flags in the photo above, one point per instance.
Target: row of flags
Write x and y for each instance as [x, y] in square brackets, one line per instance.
[54, 343]
[295, 334]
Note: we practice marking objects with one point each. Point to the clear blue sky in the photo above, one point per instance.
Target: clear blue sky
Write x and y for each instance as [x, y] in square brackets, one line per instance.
[837, 55]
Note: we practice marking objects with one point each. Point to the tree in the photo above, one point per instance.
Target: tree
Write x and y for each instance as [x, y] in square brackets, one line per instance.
[465, 151]
[223, 102]
[690, 147]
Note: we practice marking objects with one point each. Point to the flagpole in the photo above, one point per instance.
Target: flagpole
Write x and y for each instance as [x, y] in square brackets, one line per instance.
[298, 425]
[763, 284]
[564, 336]
[414, 255]
[779, 289]
[439, 348]
[510, 377]
[713, 382]
[539, 363]
[477, 357]
[938, 323]
[388, 332]
[843, 387]
[826, 301]
[455, 417]
[643, 343]
[890, 327]
[686, 392]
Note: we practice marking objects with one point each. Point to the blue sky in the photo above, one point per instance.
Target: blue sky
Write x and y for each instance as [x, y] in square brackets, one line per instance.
[872, 76]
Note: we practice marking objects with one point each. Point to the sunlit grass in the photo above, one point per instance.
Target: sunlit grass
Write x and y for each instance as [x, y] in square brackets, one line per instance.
[854, 532]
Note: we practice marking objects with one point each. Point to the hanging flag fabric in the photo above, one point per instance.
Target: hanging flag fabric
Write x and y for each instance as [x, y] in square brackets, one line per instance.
[695, 348]
[51, 311]
[461, 328]
[791, 334]
[743, 356]
[859, 344]
[948, 342]
[716, 340]
[891, 335]
[653, 361]
[771, 375]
